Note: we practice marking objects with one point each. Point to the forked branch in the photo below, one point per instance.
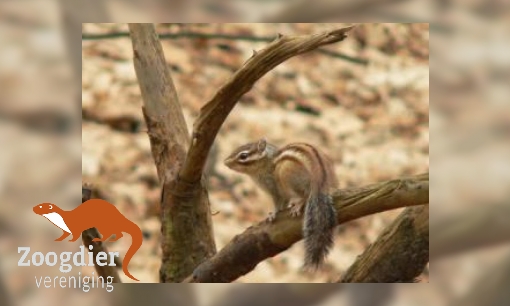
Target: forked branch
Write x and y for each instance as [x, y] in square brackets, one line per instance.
[186, 219]
[213, 114]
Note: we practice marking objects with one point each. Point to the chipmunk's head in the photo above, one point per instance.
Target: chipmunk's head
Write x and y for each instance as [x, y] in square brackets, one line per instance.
[46, 208]
[247, 158]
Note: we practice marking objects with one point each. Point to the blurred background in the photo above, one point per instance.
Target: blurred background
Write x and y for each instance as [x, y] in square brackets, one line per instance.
[39, 45]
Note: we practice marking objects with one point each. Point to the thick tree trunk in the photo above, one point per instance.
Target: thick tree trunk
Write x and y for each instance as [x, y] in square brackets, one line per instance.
[187, 235]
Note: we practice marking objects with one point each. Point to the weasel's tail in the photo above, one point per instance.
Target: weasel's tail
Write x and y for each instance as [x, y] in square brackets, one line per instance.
[319, 223]
[136, 243]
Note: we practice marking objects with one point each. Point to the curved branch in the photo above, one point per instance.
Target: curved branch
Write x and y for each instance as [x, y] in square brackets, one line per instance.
[399, 254]
[265, 240]
[213, 114]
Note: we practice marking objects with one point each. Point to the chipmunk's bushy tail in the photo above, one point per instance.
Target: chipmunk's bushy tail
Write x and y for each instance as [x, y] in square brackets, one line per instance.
[319, 223]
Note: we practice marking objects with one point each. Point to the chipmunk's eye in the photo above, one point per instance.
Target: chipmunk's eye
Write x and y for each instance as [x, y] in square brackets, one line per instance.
[51, 207]
[40, 206]
[243, 156]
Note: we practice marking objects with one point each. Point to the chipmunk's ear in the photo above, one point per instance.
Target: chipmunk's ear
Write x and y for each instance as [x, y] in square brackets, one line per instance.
[261, 145]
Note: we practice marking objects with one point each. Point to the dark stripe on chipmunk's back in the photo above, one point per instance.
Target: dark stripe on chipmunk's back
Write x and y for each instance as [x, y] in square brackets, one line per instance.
[285, 155]
[310, 150]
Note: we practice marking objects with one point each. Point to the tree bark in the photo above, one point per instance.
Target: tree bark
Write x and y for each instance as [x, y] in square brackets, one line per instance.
[265, 240]
[186, 218]
[400, 253]
[187, 235]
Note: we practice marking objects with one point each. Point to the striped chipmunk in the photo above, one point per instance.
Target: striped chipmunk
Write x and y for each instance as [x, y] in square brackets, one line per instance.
[297, 176]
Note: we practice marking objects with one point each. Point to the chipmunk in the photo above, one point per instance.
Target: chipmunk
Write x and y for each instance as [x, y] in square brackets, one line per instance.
[297, 176]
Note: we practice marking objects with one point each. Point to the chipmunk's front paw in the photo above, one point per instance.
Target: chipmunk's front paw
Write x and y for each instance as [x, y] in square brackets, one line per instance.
[296, 207]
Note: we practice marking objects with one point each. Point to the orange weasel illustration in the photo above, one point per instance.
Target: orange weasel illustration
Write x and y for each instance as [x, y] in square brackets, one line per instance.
[94, 213]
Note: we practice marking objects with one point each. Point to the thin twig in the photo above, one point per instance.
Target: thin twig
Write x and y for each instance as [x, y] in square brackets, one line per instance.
[238, 37]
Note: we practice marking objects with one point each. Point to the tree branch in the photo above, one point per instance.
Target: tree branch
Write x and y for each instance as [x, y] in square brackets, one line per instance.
[187, 235]
[168, 132]
[97, 246]
[265, 240]
[186, 219]
[399, 254]
[213, 114]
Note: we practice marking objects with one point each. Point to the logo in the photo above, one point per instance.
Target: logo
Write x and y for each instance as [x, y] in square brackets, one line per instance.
[92, 213]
